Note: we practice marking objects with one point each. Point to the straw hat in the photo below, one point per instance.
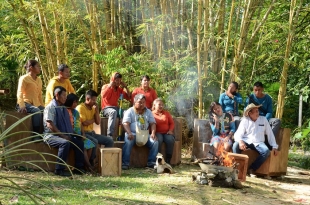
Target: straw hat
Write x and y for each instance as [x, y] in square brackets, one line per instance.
[249, 108]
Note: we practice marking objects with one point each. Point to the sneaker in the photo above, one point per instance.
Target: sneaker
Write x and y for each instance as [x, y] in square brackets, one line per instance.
[250, 173]
[125, 167]
[62, 173]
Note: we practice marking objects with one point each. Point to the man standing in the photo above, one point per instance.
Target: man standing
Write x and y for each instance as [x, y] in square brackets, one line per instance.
[139, 117]
[260, 98]
[89, 114]
[58, 130]
[110, 93]
[251, 134]
[61, 80]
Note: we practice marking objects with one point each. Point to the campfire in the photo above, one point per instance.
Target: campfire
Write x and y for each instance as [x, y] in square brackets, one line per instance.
[221, 170]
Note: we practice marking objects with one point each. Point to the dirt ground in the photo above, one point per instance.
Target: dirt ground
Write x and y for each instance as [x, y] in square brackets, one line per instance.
[294, 188]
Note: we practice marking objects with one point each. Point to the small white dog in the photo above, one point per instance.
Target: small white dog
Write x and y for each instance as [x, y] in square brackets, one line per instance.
[162, 166]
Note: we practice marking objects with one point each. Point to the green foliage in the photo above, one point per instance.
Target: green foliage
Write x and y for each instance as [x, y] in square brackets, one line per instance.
[299, 159]
[303, 136]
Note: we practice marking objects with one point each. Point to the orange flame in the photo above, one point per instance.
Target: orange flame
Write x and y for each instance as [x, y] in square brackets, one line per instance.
[222, 154]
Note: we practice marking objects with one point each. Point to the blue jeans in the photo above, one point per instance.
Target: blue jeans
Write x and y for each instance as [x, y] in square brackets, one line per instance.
[262, 150]
[111, 113]
[169, 141]
[63, 146]
[151, 144]
[37, 118]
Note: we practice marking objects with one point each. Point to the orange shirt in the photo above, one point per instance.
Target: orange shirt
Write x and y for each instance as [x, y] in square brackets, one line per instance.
[29, 91]
[150, 96]
[164, 122]
[109, 97]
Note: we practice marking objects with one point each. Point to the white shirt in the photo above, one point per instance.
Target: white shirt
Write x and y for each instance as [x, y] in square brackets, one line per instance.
[254, 132]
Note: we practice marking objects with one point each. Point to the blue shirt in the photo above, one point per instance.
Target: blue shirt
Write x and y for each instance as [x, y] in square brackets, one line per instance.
[230, 105]
[266, 103]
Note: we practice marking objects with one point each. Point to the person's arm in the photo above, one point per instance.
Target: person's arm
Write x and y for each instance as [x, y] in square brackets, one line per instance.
[153, 131]
[83, 120]
[71, 89]
[154, 94]
[125, 91]
[238, 98]
[40, 93]
[20, 97]
[240, 131]
[170, 122]
[49, 92]
[96, 115]
[268, 104]
[54, 129]
[107, 90]
[221, 99]
[214, 128]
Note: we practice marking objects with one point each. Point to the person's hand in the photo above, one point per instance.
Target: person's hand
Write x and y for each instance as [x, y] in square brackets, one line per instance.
[170, 132]
[242, 145]
[22, 110]
[226, 139]
[216, 119]
[66, 137]
[153, 136]
[131, 136]
[95, 106]
[112, 84]
[229, 94]
[275, 151]
[123, 84]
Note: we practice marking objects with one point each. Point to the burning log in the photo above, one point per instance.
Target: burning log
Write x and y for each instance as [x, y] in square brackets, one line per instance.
[4, 91]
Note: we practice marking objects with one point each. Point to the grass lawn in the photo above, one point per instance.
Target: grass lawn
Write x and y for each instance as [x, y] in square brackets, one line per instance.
[142, 186]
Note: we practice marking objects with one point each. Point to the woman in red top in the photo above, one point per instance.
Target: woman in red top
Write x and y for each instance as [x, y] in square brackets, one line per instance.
[164, 128]
[149, 93]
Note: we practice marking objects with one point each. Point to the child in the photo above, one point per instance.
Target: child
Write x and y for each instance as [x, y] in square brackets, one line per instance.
[71, 103]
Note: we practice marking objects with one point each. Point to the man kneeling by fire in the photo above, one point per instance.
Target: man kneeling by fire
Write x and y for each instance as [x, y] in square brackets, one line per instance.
[251, 134]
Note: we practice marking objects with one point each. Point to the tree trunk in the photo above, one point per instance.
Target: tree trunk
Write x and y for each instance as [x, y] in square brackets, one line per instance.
[200, 110]
[293, 19]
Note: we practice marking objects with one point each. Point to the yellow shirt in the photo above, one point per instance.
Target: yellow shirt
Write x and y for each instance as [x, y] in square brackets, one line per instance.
[86, 114]
[52, 84]
[29, 91]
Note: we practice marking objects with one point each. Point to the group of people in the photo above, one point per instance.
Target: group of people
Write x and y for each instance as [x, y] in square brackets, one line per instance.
[69, 125]
[256, 130]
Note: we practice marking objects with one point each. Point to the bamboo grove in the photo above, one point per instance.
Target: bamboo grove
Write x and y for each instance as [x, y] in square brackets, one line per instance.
[200, 43]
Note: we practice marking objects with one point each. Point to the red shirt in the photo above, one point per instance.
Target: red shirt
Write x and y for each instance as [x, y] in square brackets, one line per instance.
[109, 97]
[150, 96]
[164, 122]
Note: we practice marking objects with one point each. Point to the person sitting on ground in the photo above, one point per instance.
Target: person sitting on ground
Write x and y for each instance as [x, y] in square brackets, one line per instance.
[230, 101]
[222, 125]
[145, 89]
[89, 114]
[251, 134]
[135, 119]
[260, 98]
[61, 80]
[71, 103]
[58, 133]
[110, 94]
[29, 95]
[164, 128]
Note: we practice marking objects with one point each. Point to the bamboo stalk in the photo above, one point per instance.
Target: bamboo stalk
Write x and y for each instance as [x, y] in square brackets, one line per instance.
[198, 58]
[294, 13]
[227, 44]
[205, 41]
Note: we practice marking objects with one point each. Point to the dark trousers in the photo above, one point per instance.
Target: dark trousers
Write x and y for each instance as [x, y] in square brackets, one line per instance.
[63, 146]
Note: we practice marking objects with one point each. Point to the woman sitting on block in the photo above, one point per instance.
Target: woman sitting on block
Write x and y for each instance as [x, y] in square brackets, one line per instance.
[164, 128]
[222, 125]
[29, 95]
[71, 103]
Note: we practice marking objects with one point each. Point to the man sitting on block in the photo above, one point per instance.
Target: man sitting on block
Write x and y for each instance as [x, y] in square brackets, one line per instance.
[89, 114]
[251, 134]
[258, 97]
[137, 120]
[58, 130]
